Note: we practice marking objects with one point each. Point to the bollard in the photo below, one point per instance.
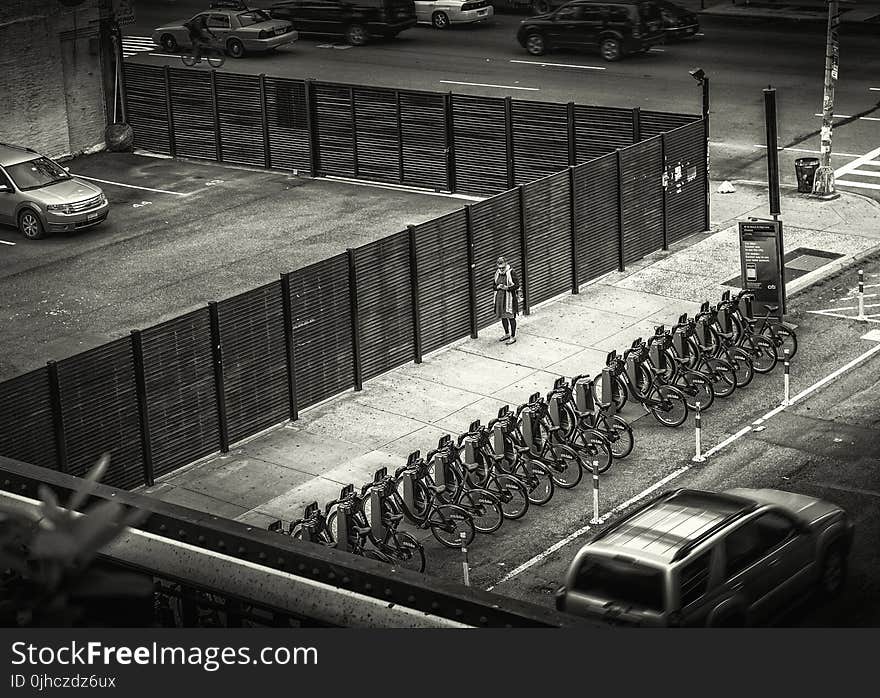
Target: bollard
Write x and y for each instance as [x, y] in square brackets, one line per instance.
[464, 562]
[862, 317]
[787, 363]
[595, 519]
[698, 429]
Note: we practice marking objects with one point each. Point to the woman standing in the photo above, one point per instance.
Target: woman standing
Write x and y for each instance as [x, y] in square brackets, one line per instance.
[506, 285]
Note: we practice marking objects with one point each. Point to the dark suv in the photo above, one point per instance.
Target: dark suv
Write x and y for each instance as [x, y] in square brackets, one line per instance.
[615, 28]
[356, 20]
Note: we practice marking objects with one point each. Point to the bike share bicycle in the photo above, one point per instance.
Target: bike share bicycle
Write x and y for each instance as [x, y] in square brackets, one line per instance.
[511, 454]
[580, 415]
[767, 325]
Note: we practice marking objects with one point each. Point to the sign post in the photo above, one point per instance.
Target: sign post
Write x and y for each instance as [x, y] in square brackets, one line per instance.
[761, 258]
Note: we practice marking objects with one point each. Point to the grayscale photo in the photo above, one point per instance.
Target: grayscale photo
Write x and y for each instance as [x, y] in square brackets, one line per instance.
[414, 314]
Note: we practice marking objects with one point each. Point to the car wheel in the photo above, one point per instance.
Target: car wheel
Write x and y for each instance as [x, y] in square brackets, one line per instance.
[356, 35]
[30, 225]
[168, 42]
[540, 7]
[235, 48]
[535, 44]
[440, 20]
[832, 572]
[610, 49]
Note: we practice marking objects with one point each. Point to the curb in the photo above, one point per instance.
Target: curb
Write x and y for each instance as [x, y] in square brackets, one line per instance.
[804, 282]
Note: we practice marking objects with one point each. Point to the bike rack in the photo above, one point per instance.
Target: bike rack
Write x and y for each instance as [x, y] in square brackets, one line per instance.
[470, 444]
[749, 313]
[343, 525]
[408, 487]
[498, 431]
[310, 511]
[276, 526]
[631, 363]
[553, 407]
[583, 395]
[655, 353]
[702, 330]
[679, 343]
[528, 425]
[723, 318]
[377, 504]
[608, 389]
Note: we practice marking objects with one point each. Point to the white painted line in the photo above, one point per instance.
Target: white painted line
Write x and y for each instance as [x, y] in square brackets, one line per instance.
[855, 164]
[398, 187]
[845, 116]
[872, 336]
[699, 34]
[860, 185]
[128, 186]
[874, 89]
[559, 65]
[481, 84]
[166, 55]
[657, 50]
[840, 315]
[815, 152]
[847, 307]
[867, 173]
[6, 242]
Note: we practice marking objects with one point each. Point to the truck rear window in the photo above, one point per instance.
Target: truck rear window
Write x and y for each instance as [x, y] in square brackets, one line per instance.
[624, 582]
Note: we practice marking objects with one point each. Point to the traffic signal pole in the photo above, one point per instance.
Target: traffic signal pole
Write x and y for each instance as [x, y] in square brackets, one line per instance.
[823, 184]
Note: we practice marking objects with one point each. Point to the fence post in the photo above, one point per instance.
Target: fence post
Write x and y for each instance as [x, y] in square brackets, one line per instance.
[508, 133]
[216, 109]
[637, 124]
[523, 248]
[312, 127]
[572, 134]
[663, 182]
[399, 138]
[572, 215]
[289, 345]
[57, 416]
[414, 290]
[472, 290]
[620, 266]
[264, 116]
[217, 355]
[169, 112]
[354, 131]
[140, 382]
[450, 142]
[355, 319]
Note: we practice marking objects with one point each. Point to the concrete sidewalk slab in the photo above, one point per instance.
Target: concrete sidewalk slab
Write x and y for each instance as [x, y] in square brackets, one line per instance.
[576, 323]
[481, 374]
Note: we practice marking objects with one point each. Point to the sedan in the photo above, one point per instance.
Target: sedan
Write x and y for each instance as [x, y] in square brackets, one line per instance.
[442, 13]
[238, 31]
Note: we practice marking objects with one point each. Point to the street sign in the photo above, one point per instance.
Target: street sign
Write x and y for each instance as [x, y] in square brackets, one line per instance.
[761, 254]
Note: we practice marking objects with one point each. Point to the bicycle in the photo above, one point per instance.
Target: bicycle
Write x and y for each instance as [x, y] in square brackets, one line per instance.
[215, 56]
[485, 507]
[447, 521]
[313, 527]
[696, 385]
[580, 415]
[513, 459]
[710, 341]
[474, 460]
[782, 336]
[760, 348]
[686, 351]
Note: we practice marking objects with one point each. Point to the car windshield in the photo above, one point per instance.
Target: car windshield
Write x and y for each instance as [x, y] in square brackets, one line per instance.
[246, 19]
[33, 174]
[624, 582]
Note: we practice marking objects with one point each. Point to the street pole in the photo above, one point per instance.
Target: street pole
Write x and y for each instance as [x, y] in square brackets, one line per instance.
[772, 150]
[823, 184]
[705, 86]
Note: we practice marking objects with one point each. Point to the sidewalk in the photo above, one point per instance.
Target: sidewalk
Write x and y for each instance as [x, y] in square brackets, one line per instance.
[864, 11]
[274, 475]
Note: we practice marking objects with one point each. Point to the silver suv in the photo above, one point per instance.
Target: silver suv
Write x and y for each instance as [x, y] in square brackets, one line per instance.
[38, 196]
[698, 558]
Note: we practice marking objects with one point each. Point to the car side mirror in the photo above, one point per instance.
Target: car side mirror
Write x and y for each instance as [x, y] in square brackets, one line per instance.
[66, 169]
[5, 188]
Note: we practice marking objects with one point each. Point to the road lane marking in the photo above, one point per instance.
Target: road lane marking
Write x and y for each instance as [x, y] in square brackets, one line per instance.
[844, 116]
[559, 65]
[816, 152]
[860, 185]
[855, 164]
[657, 50]
[166, 55]
[867, 173]
[130, 186]
[874, 89]
[6, 242]
[482, 84]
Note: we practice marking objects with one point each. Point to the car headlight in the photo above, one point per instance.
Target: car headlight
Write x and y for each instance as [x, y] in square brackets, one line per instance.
[265, 34]
[59, 208]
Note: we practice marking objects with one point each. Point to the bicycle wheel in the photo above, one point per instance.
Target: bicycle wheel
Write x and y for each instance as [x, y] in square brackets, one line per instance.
[564, 464]
[216, 58]
[513, 494]
[697, 387]
[762, 352]
[593, 445]
[722, 376]
[404, 550]
[484, 508]
[448, 522]
[742, 366]
[619, 434]
[783, 338]
[618, 391]
[539, 483]
[673, 409]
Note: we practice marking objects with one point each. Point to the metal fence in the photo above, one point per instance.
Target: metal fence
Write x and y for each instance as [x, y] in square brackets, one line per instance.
[186, 388]
[434, 140]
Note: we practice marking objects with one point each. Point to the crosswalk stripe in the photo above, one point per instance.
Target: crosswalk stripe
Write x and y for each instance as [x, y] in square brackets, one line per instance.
[860, 185]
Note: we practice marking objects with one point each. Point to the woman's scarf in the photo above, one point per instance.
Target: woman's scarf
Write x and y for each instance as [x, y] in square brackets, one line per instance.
[508, 295]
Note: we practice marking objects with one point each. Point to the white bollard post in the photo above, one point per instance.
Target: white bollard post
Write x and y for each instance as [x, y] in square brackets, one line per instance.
[862, 317]
[787, 364]
[464, 562]
[595, 519]
[698, 435]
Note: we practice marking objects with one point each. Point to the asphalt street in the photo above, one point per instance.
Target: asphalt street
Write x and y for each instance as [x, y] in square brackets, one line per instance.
[741, 57]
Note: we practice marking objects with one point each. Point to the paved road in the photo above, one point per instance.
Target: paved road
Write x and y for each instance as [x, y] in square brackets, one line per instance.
[826, 445]
[741, 59]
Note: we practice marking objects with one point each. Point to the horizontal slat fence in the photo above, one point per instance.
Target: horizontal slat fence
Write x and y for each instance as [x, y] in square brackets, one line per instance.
[188, 387]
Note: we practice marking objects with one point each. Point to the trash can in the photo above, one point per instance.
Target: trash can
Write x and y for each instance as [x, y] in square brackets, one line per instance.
[805, 169]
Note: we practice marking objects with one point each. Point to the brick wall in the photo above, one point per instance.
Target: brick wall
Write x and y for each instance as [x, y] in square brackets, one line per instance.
[51, 82]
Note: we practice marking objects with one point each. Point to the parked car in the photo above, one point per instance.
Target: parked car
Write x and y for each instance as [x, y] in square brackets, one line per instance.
[240, 31]
[442, 13]
[356, 20]
[696, 558]
[678, 22]
[37, 195]
[615, 28]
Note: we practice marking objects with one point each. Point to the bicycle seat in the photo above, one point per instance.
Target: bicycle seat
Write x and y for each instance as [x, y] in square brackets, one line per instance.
[772, 308]
[361, 530]
[521, 449]
[392, 518]
[437, 489]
